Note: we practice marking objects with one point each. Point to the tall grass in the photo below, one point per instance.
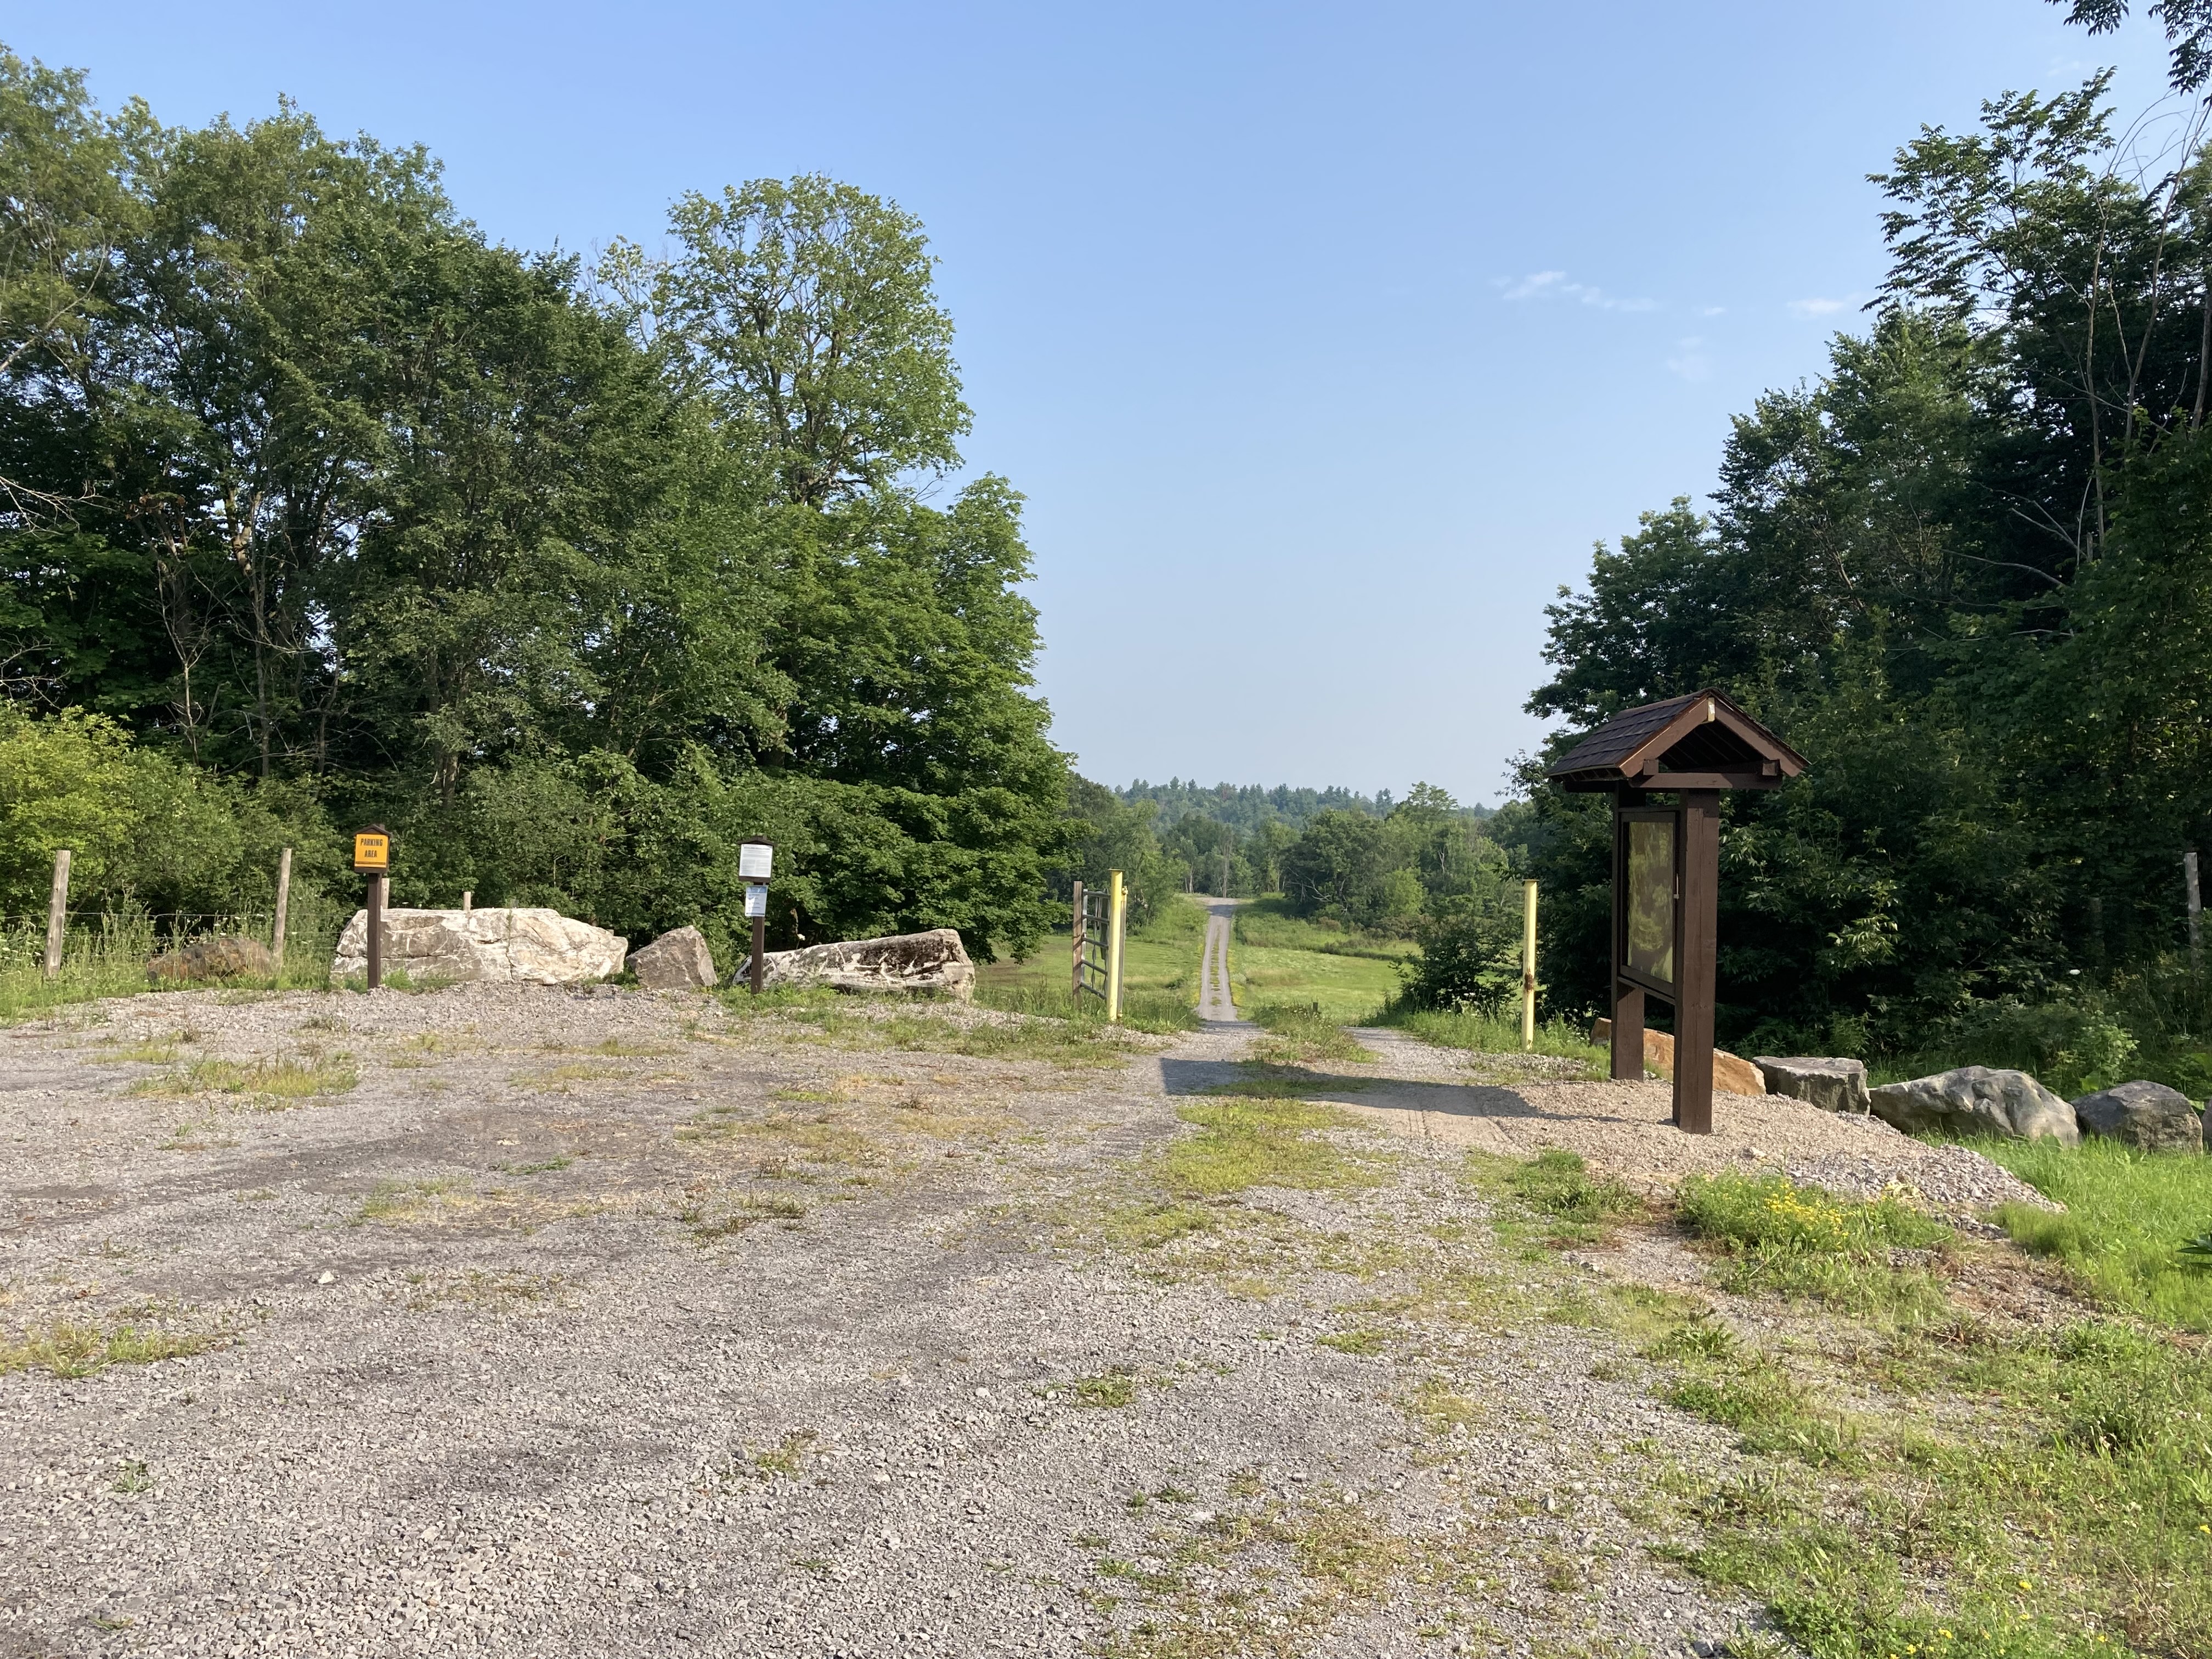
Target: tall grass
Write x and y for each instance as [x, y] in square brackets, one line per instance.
[2128, 1215]
[106, 955]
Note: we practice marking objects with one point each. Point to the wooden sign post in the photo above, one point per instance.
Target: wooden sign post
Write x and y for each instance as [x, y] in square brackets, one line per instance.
[756, 859]
[372, 856]
[1665, 867]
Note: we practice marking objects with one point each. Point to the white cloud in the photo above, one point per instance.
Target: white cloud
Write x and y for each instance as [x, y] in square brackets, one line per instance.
[1820, 307]
[1712, 310]
[1555, 285]
[1690, 359]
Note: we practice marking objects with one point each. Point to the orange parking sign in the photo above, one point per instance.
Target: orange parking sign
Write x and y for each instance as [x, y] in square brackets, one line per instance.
[372, 852]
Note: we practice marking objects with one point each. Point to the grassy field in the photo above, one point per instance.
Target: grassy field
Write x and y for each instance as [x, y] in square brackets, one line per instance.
[1159, 975]
[1276, 958]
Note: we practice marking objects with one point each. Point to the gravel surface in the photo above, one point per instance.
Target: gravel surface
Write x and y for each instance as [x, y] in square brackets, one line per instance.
[617, 1323]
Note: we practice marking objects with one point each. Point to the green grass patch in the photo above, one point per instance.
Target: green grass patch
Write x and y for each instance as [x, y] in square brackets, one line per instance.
[2129, 1219]
[1582, 1205]
[1160, 965]
[275, 1079]
[1270, 924]
[1105, 1391]
[69, 1350]
[1299, 1033]
[1244, 1143]
[1806, 1244]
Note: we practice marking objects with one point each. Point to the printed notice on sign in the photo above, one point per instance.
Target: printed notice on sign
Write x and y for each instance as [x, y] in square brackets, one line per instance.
[1651, 899]
[754, 857]
[372, 852]
[755, 902]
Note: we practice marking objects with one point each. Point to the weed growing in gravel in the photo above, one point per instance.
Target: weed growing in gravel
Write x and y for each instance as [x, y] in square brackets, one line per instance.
[68, 1349]
[1260, 1143]
[784, 1460]
[1148, 1226]
[132, 1479]
[818, 1137]
[1114, 1387]
[1559, 1185]
[1298, 1034]
[751, 1212]
[271, 1081]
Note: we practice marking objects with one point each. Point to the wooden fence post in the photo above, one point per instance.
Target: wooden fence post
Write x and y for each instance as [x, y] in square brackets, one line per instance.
[283, 906]
[1529, 964]
[57, 913]
[2196, 914]
[1078, 930]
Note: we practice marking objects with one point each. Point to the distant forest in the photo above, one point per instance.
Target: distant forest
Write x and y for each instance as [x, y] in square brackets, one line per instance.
[1247, 806]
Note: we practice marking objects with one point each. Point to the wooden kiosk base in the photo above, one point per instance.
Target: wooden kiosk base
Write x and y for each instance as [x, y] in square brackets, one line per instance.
[1666, 867]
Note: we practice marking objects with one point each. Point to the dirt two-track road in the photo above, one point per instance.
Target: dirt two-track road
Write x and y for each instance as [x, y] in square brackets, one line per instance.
[625, 1323]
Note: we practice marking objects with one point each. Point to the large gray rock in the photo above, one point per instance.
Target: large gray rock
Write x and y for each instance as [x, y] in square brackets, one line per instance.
[526, 947]
[1975, 1100]
[1832, 1084]
[934, 961]
[2147, 1115]
[678, 961]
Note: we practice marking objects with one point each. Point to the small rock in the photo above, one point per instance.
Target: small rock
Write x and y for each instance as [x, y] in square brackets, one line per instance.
[327, 1278]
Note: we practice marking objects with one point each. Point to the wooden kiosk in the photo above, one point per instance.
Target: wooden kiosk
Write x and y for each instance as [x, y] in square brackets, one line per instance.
[1666, 866]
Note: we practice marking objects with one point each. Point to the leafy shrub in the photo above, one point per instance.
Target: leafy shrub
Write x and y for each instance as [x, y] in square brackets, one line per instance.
[1470, 957]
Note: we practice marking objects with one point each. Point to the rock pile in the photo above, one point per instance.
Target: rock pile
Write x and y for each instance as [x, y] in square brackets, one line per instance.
[1836, 1084]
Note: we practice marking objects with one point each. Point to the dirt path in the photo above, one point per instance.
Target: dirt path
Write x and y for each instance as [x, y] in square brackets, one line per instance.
[626, 1324]
[1214, 1002]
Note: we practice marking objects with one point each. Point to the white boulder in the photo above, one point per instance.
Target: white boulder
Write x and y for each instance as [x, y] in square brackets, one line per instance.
[934, 961]
[522, 946]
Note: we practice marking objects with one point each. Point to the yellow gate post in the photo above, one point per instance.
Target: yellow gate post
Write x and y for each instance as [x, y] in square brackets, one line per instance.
[1528, 964]
[1117, 909]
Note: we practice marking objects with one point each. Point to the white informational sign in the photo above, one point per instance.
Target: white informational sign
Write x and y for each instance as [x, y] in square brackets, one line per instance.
[756, 900]
[754, 857]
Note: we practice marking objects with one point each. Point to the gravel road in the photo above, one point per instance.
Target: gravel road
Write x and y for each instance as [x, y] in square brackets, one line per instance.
[583, 1324]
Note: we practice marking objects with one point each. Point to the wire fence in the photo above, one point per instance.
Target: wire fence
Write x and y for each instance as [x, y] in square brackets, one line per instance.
[107, 951]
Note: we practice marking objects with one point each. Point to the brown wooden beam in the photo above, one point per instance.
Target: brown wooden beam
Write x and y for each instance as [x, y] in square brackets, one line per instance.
[1697, 925]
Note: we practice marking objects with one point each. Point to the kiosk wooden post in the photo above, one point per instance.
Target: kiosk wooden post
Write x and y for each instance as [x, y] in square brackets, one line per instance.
[1665, 867]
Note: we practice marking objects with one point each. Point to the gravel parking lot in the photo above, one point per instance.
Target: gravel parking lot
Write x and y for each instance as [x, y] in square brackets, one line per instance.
[521, 1321]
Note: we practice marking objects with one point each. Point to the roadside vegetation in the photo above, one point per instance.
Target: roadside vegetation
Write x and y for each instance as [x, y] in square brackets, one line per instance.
[1160, 968]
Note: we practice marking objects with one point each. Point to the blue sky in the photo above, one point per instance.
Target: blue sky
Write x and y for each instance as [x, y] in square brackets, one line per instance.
[1324, 339]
